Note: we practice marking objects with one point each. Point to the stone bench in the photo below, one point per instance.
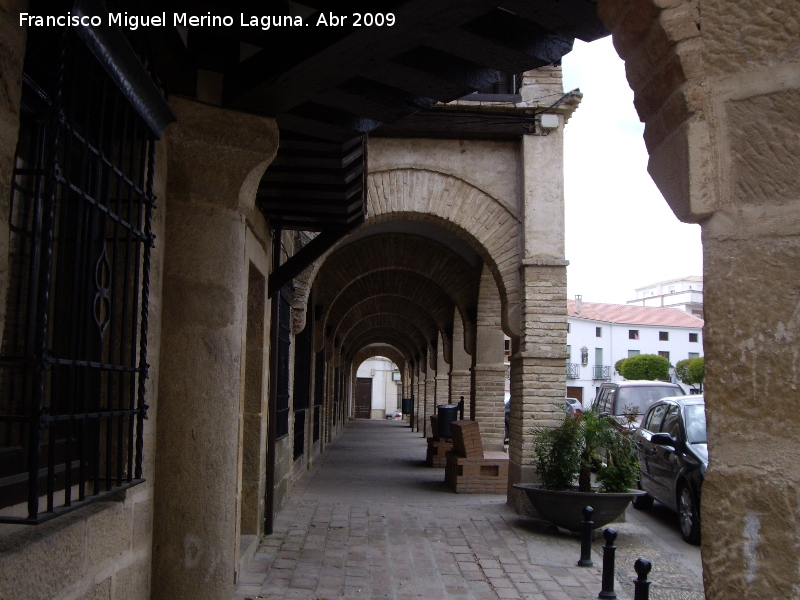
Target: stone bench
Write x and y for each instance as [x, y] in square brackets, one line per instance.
[470, 470]
[437, 447]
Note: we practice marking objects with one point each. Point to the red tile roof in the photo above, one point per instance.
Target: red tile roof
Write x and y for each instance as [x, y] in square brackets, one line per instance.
[634, 315]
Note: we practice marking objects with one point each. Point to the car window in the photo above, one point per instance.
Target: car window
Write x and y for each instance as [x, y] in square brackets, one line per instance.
[638, 399]
[654, 418]
[672, 423]
[696, 424]
[601, 400]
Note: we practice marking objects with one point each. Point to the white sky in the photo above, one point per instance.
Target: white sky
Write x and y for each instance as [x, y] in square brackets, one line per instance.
[621, 234]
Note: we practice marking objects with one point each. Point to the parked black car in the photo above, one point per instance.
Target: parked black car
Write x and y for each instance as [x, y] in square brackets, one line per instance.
[673, 457]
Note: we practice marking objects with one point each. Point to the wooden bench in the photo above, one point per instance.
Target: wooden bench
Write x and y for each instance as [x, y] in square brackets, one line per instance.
[470, 470]
[437, 447]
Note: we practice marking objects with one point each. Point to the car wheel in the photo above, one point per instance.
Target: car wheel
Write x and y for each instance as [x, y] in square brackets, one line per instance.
[690, 519]
[643, 502]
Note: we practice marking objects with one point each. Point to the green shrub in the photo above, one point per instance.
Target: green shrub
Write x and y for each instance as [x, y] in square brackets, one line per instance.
[682, 371]
[558, 454]
[645, 366]
[697, 370]
[618, 365]
[582, 444]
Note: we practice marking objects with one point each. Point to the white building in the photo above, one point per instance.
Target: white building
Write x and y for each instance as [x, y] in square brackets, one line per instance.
[685, 294]
[378, 389]
[599, 335]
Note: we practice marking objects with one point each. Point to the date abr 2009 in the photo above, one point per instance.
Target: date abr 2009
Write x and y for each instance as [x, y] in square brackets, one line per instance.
[373, 19]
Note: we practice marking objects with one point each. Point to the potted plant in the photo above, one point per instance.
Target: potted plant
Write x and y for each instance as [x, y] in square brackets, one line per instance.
[570, 453]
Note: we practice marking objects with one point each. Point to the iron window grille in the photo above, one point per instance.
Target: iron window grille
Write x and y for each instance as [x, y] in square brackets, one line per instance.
[74, 341]
[601, 372]
[284, 343]
[573, 371]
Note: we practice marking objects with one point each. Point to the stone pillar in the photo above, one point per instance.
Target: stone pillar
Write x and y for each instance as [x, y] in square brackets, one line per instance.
[719, 92]
[419, 397]
[460, 377]
[538, 373]
[442, 375]
[215, 161]
[430, 395]
[489, 371]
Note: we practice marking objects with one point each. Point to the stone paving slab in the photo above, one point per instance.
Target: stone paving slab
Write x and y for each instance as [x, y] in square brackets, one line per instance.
[371, 521]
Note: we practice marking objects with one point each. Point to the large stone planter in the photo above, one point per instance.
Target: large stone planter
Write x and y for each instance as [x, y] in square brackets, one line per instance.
[565, 508]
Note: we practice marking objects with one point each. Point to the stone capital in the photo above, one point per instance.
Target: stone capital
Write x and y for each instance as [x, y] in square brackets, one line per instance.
[218, 156]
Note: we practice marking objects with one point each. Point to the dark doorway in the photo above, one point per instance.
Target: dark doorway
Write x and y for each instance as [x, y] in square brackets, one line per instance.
[575, 392]
[363, 408]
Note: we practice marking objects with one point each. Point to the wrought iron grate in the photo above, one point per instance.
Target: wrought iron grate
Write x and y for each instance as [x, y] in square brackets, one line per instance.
[74, 340]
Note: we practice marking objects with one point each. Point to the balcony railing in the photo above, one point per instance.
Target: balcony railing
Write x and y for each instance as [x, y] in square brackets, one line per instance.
[573, 371]
[601, 372]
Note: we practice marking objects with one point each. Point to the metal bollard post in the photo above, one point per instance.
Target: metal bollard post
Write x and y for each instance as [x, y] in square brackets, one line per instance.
[609, 551]
[641, 585]
[586, 538]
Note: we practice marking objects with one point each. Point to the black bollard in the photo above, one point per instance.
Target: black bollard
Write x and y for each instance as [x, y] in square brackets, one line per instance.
[586, 538]
[609, 550]
[641, 585]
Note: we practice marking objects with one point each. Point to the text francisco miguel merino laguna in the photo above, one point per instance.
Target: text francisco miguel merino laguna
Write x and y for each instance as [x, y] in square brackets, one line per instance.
[133, 22]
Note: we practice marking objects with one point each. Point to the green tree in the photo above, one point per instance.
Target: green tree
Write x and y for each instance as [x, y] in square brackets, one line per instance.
[691, 371]
[618, 365]
[697, 370]
[645, 366]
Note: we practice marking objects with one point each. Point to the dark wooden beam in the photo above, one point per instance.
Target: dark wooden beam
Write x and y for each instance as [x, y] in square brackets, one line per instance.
[255, 89]
[302, 259]
[505, 41]
[570, 18]
[462, 123]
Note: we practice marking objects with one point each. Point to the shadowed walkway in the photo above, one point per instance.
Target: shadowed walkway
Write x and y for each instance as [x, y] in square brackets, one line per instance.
[371, 521]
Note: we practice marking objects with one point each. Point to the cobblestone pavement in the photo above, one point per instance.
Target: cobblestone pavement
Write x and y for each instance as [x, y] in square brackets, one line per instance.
[370, 520]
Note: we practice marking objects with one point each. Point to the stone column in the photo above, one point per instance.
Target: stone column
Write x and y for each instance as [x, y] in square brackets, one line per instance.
[215, 161]
[430, 394]
[442, 375]
[538, 372]
[419, 396]
[460, 377]
[488, 370]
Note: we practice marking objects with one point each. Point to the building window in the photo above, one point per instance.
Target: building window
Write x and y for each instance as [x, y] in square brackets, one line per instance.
[633, 334]
[633, 353]
[569, 352]
[663, 336]
[598, 332]
[507, 345]
[568, 328]
[693, 337]
[664, 353]
[74, 347]
[694, 355]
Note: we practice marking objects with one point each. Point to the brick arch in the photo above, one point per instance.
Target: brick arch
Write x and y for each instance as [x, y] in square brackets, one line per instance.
[386, 305]
[401, 322]
[399, 253]
[387, 335]
[481, 220]
[416, 289]
[385, 350]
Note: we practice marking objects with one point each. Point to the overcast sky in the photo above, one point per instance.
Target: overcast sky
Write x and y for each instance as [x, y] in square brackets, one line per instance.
[621, 234]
